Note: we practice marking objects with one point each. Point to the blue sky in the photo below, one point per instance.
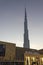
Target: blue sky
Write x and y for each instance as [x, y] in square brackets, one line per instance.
[12, 22]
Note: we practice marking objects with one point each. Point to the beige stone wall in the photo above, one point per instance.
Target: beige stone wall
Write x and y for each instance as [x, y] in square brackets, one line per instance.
[9, 53]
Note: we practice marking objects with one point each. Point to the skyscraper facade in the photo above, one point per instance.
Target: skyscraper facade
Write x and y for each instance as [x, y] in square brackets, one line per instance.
[26, 39]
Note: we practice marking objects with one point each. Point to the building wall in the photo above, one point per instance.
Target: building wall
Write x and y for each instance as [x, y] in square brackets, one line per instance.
[10, 50]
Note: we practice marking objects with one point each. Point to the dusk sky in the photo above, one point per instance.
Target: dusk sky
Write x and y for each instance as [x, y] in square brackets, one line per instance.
[12, 22]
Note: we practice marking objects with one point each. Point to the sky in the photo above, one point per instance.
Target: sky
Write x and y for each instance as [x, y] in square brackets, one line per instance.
[12, 14]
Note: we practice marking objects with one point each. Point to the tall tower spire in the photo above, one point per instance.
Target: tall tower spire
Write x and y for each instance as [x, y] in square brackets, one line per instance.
[26, 40]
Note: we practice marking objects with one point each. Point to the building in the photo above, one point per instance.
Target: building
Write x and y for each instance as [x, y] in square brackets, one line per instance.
[26, 39]
[12, 55]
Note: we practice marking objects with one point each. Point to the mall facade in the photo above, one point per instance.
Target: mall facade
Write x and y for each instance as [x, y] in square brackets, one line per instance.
[10, 54]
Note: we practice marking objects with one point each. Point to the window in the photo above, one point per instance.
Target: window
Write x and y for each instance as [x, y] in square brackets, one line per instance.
[2, 50]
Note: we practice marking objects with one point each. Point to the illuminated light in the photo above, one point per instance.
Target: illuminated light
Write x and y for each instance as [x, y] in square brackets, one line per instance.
[42, 59]
[33, 58]
[27, 62]
[28, 58]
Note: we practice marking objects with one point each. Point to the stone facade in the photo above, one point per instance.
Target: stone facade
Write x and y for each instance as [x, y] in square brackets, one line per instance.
[9, 51]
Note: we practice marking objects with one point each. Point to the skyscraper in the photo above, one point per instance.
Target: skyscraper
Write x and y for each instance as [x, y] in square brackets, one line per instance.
[26, 39]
